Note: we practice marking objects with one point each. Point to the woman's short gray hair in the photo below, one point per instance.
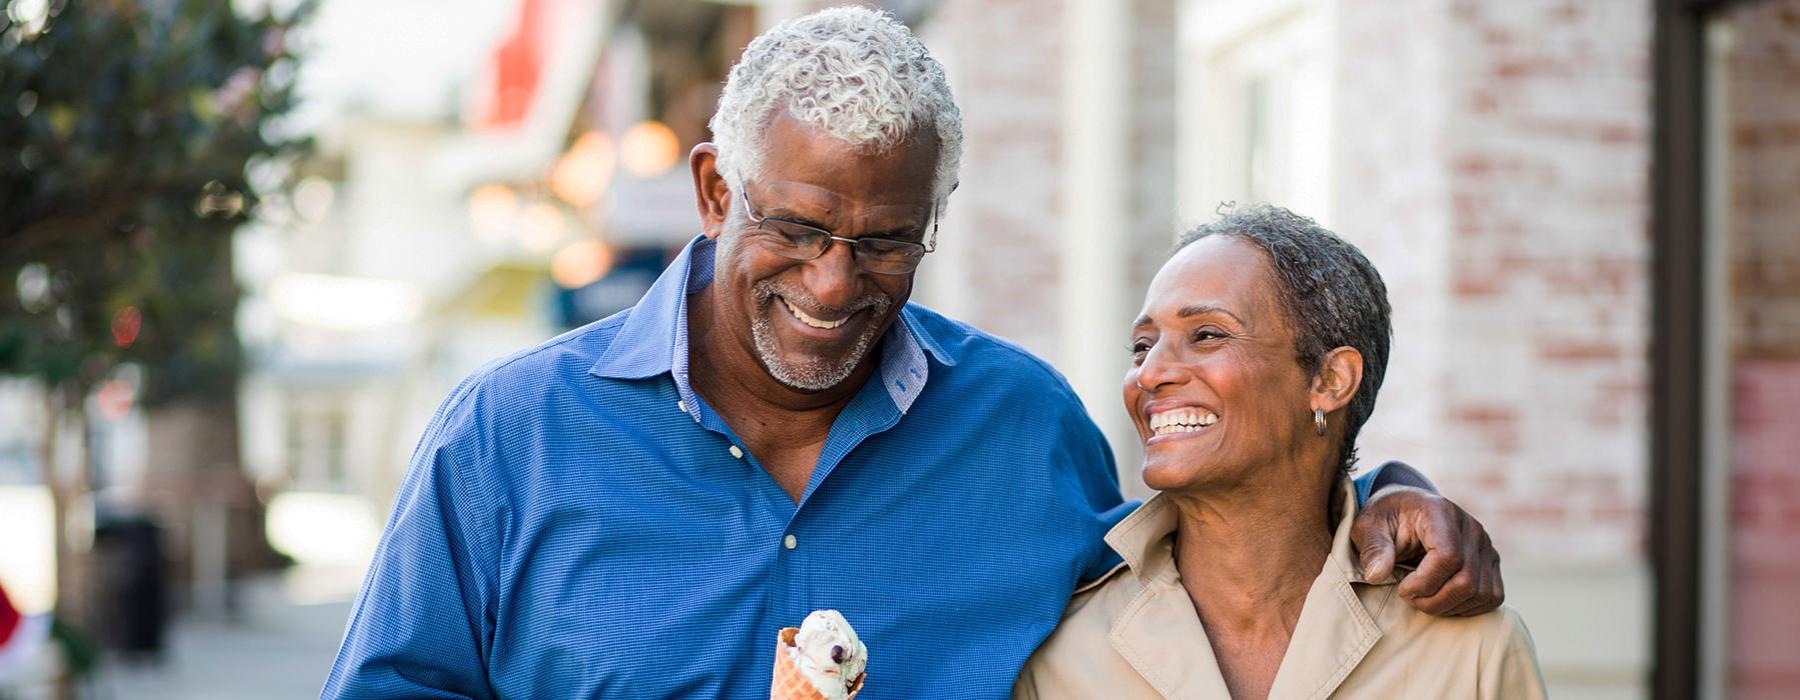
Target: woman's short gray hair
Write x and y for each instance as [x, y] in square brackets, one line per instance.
[854, 74]
[1331, 293]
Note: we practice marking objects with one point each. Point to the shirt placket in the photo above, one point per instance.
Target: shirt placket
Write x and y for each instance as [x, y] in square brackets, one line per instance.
[779, 513]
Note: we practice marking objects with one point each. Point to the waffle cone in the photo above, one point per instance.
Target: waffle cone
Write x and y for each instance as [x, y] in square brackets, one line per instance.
[790, 683]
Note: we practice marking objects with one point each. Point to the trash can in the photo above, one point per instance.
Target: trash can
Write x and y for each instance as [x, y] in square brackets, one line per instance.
[130, 610]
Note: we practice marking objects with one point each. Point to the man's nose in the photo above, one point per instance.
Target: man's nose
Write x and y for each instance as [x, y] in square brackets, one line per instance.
[833, 278]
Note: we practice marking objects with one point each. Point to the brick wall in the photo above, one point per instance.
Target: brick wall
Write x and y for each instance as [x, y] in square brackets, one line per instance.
[1495, 163]
[1493, 160]
[1393, 202]
[1001, 230]
[1761, 130]
[1549, 169]
[1001, 250]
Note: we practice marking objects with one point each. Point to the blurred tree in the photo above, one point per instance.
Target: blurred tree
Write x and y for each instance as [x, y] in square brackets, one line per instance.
[127, 132]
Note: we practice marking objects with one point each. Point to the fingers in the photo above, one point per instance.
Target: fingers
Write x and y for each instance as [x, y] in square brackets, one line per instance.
[1499, 584]
[1482, 599]
[1476, 604]
[1473, 589]
[1468, 608]
[1439, 569]
[1373, 533]
[1455, 592]
[1378, 558]
[1444, 558]
[1460, 571]
[1490, 590]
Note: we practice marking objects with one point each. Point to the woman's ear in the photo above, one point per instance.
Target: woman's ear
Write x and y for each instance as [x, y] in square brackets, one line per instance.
[1340, 374]
[712, 196]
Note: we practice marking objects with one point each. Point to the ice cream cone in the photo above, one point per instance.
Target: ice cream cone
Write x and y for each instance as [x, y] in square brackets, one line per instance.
[790, 683]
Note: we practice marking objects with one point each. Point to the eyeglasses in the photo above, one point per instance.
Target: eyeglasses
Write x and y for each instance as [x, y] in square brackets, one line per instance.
[882, 256]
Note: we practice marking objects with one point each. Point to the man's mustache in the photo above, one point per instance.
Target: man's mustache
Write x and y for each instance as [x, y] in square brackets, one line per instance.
[767, 290]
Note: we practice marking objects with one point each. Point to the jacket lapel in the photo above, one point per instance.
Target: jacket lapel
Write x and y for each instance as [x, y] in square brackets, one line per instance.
[1335, 630]
[1160, 635]
[1158, 632]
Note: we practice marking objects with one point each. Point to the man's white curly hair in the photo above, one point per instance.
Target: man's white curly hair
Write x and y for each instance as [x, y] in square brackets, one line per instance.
[854, 74]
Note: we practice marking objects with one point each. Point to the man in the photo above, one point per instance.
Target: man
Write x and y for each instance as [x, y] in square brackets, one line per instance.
[634, 509]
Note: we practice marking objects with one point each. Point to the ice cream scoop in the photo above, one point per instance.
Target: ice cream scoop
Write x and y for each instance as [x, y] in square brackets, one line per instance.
[826, 653]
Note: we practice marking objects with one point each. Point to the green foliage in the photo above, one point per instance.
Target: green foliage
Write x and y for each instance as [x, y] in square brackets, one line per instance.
[78, 653]
[126, 130]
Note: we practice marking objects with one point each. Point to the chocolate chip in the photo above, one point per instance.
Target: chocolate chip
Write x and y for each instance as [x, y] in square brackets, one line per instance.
[837, 654]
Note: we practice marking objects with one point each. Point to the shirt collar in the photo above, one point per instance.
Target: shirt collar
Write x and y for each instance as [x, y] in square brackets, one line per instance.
[1145, 539]
[654, 338]
[1161, 637]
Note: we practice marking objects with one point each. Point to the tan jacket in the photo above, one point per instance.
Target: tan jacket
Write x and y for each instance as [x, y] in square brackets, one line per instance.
[1135, 634]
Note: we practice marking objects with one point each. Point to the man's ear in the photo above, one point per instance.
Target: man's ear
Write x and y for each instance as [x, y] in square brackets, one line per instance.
[1340, 373]
[711, 195]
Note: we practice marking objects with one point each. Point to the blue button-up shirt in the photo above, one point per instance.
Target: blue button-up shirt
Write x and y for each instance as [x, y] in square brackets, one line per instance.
[576, 521]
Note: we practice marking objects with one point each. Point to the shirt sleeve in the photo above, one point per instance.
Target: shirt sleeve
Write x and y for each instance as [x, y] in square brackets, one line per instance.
[1096, 476]
[421, 624]
[1367, 481]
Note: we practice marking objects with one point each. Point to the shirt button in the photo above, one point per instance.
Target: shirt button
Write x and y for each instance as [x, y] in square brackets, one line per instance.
[681, 406]
[739, 453]
[790, 542]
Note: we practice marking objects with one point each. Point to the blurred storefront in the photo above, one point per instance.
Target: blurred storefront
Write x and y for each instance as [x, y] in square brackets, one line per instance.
[523, 176]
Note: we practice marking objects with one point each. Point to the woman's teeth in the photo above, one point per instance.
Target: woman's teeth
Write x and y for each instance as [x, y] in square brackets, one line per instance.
[1181, 420]
[814, 322]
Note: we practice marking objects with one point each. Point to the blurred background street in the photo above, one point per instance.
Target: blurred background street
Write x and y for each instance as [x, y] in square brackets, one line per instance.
[247, 246]
[286, 630]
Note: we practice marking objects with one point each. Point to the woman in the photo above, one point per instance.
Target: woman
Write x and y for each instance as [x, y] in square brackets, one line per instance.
[1239, 579]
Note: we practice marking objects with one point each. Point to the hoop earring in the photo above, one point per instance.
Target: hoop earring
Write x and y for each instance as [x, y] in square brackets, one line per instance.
[1319, 420]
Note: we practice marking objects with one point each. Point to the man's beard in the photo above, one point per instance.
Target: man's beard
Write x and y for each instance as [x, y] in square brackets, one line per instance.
[812, 374]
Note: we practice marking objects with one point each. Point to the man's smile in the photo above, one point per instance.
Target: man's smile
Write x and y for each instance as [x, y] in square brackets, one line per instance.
[814, 321]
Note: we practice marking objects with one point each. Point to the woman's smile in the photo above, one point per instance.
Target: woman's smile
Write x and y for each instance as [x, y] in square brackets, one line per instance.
[1168, 421]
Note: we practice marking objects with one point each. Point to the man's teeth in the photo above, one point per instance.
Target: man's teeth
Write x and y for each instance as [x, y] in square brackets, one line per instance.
[1181, 420]
[809, 320]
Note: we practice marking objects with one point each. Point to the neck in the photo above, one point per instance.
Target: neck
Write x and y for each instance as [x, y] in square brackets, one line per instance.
[1248, 556]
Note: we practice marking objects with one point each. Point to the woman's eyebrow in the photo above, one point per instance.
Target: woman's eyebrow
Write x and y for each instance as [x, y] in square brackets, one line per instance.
[1198, 309]
[1189, 311]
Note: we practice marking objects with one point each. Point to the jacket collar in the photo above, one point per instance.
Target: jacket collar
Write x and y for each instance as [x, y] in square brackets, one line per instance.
[1160, 634]
[1336, 628]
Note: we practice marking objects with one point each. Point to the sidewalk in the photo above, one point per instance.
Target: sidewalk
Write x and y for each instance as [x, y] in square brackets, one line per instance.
[280, 644]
